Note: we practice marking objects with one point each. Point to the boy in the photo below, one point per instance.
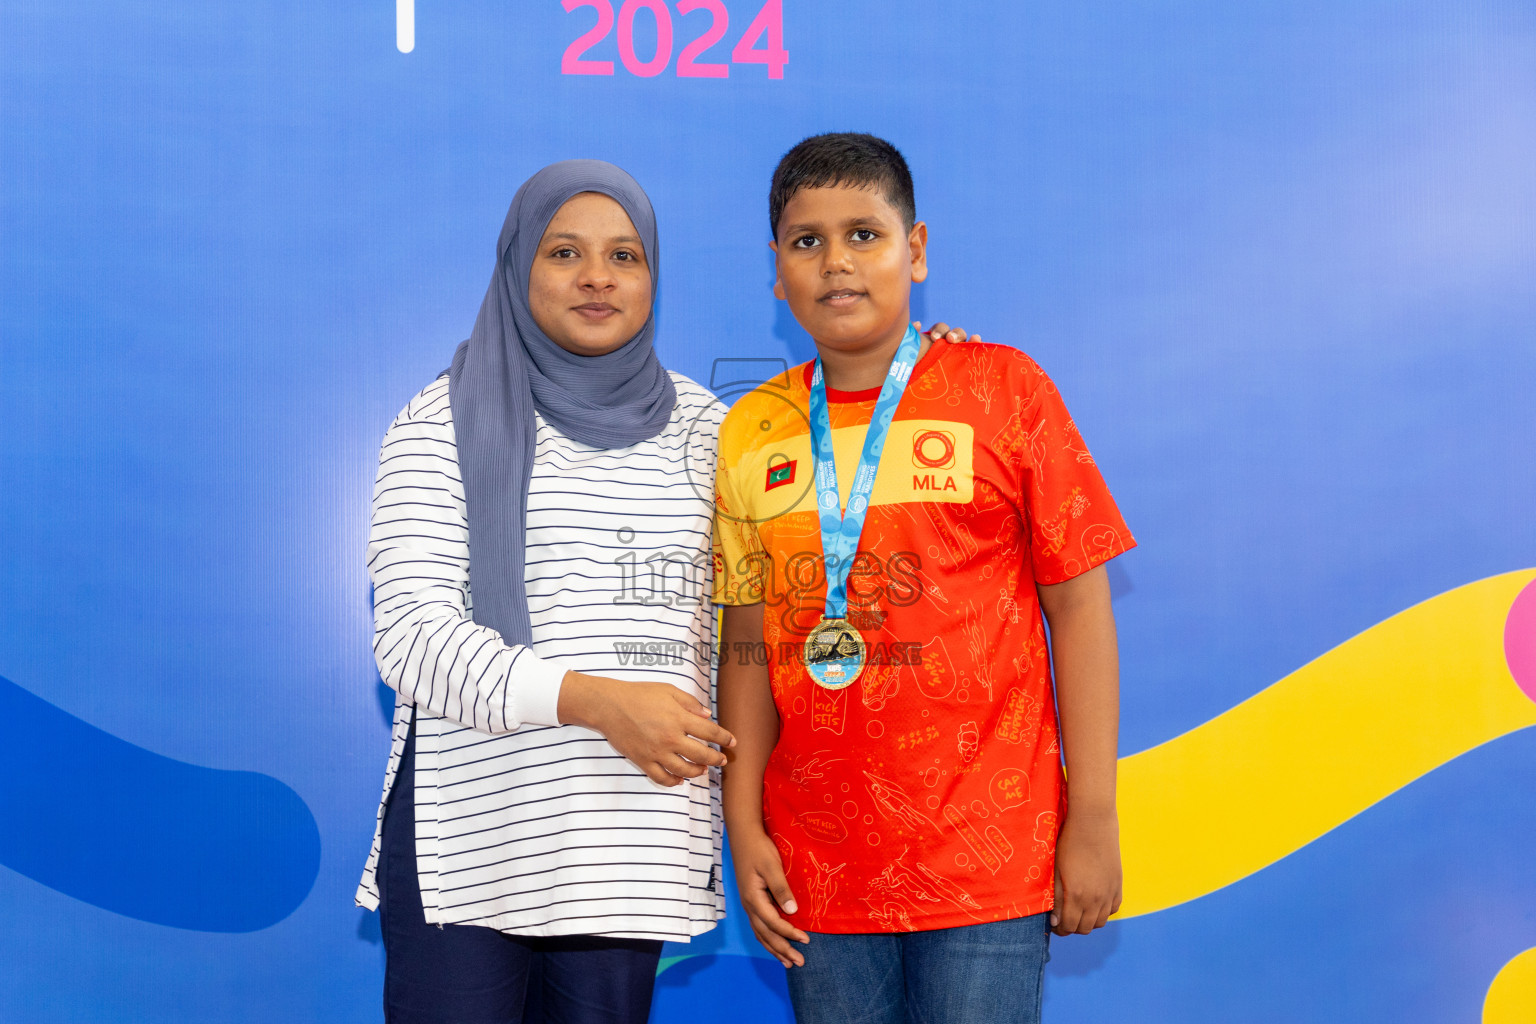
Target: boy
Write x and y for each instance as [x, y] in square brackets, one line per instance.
[895, 802]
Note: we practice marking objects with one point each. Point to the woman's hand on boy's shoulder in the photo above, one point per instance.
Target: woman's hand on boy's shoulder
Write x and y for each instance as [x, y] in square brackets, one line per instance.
[942, 331]
[763, 889]
[1088, 877]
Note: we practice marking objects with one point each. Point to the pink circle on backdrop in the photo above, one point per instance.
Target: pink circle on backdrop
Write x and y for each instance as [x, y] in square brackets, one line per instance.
[1520, 640]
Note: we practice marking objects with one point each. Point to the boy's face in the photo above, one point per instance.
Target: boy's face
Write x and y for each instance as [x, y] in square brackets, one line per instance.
[846, 264]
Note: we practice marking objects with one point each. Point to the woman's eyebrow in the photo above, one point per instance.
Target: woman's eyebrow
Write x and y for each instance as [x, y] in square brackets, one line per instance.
[578, 238]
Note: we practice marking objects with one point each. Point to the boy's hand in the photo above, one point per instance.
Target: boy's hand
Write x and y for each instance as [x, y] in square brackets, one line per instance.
[1087, 873]
[657, 726]
[938, 331]
[764, 889]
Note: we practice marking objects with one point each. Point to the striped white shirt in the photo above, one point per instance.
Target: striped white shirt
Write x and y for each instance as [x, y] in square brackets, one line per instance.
[523, 824]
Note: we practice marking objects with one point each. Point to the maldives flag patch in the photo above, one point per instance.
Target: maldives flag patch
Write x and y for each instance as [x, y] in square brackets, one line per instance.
[779, 475]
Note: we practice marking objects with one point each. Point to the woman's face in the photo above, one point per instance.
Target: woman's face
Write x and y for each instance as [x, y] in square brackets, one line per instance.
[590, 287]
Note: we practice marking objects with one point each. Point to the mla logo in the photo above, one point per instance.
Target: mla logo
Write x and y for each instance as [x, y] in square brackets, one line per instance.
[934, 449]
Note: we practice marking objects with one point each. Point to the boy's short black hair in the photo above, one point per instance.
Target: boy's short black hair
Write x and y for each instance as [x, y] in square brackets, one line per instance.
[842, 158]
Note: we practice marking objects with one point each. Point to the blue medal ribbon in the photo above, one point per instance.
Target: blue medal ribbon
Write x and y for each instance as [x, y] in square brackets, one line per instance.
[840, 530]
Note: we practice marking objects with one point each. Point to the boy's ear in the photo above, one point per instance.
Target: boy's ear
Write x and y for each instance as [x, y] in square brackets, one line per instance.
[917, 241]
[778, 285]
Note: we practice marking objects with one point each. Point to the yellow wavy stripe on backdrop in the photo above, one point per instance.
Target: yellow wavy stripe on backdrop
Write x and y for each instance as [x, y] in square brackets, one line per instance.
[1262, 780]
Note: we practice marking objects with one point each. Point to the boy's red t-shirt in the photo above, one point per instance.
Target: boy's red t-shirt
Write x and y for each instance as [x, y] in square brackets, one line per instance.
[927, 794]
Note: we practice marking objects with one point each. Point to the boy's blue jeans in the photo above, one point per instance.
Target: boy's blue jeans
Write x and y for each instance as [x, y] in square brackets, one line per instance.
[977, 974]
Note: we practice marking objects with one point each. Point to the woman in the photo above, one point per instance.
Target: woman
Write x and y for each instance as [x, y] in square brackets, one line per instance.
[545, 825]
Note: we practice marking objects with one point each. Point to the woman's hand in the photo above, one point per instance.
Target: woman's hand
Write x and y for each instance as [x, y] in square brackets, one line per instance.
[764, 890]
[944, 331]
[657, 726]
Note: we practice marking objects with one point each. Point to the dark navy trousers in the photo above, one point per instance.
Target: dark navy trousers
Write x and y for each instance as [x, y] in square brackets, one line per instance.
[466, 974]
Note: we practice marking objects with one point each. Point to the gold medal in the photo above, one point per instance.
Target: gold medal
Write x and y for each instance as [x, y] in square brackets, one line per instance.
[834, 654]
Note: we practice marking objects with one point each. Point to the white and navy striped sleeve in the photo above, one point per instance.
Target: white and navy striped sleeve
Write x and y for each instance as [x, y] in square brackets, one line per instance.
[426, 645]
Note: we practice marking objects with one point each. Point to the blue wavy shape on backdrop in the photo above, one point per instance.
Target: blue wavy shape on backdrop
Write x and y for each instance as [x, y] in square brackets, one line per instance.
[142, 835]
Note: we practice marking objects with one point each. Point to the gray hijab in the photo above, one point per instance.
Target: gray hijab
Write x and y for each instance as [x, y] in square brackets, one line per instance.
[508, 368]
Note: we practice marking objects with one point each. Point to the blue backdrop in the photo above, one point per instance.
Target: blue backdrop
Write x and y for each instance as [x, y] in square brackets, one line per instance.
[1279, 257]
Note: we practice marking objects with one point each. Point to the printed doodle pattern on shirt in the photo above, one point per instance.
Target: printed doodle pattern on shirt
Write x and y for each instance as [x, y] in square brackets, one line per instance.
[928, 794]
